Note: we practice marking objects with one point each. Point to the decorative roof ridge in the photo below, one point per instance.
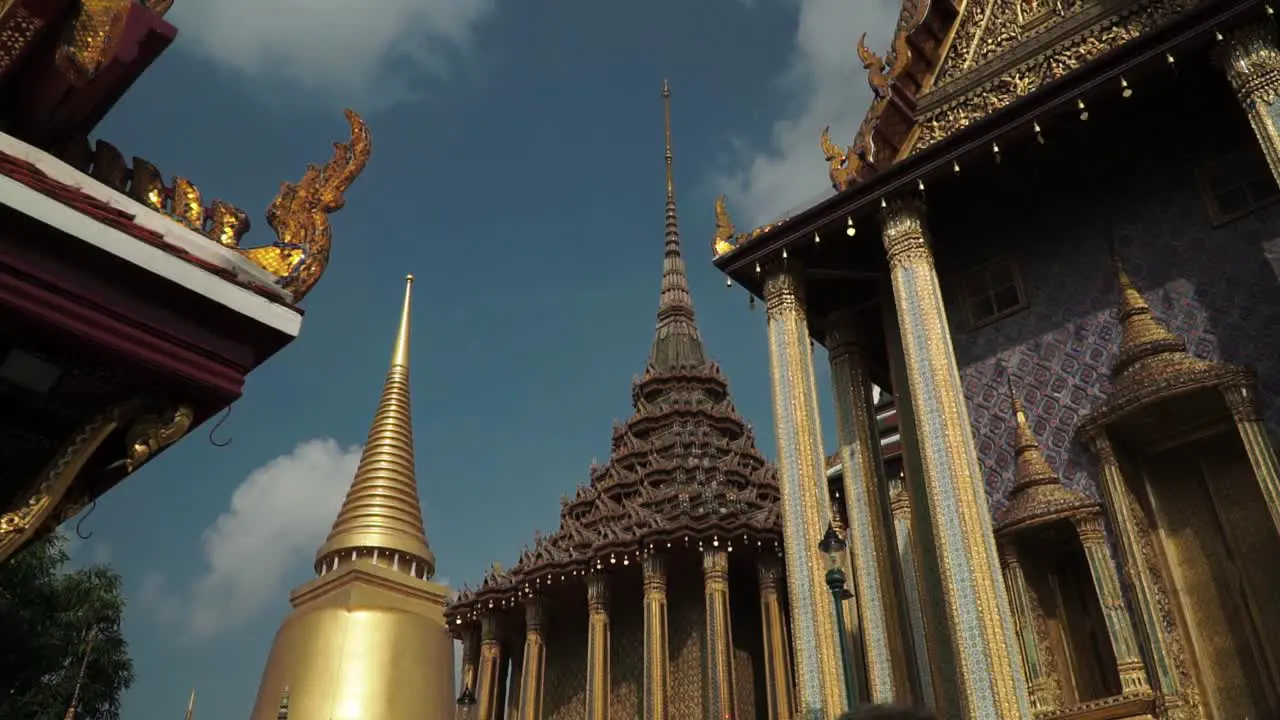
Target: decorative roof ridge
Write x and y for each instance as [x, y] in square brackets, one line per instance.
[298, 215]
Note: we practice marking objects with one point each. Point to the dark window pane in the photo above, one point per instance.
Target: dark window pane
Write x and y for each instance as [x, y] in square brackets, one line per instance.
[1262, 189]
[1000, 274]
[981, 308]
[1007, 298]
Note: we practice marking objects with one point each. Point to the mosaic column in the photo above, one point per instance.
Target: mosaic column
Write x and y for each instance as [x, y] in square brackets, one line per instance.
[719, 671]
[777, 647]
[657, 658]
[806, 509]
[1133, 673]
[488, 694]
[1253, 67]
[1020, 599]
[886, 653]
[1128, 522]
[941, 669]
[470, 661]
[597, 646]
[514, 684]
[900, 507]
[1257, 444]
[534, 667]
[992, 683]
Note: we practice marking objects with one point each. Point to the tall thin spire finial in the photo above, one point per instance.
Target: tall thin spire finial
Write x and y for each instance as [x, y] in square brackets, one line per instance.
[381, 518]
[191, 705]
[676, 343]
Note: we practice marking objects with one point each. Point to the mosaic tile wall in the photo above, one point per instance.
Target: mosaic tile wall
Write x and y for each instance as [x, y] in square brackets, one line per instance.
[686, 626]
[564, 694]
[1216, 287]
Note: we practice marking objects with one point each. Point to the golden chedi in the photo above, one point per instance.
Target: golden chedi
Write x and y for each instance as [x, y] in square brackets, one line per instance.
[366, 639]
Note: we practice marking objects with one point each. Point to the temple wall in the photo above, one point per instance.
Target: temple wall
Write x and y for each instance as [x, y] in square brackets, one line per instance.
[748, 650]
[1134, 179]
[686, 627]
[565, 690]
[626, 656]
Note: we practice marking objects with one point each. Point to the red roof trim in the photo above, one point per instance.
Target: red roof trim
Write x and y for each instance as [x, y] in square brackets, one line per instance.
[33, 177]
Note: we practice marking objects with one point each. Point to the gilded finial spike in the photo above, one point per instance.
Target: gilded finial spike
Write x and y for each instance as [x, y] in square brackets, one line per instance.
[400, 354]
[191, 705]
[382, 512]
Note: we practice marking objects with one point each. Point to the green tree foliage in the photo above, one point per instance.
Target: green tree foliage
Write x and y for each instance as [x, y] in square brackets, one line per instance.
[47, 612]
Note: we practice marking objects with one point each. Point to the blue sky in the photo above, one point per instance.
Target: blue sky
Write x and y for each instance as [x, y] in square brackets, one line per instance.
[517, 171]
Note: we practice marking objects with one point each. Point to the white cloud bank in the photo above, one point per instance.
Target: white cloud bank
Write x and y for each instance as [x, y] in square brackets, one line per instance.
[278, 517]
[365, 50]
[829, 87]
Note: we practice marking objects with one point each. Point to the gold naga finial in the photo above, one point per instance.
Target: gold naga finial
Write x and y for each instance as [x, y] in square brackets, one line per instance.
[300, 215]
[842, 165]
[725, 231]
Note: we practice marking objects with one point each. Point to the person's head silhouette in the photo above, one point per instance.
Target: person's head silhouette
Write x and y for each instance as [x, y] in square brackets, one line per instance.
[886, 712]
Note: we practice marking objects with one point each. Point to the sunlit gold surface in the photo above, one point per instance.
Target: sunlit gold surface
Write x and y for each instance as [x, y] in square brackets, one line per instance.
[382, 510]
[93, 37]
[367, 640]
[363, 643]
[300, 215]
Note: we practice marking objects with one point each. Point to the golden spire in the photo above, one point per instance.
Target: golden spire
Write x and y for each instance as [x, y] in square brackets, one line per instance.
[676, 343]
[1038, 496]
[1141, 335]
[382, 515]
[191, 705]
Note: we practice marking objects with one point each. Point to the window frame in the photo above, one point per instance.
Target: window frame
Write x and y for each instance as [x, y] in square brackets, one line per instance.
[1206, 172]
[982, 273]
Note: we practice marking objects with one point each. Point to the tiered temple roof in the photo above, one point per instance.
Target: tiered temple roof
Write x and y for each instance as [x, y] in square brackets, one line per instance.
[683, 468]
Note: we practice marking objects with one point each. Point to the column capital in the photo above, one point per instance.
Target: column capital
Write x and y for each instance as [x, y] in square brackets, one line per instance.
[1241, 401]
[843, 335]
[784, 287]
[1253, 63]
[1008, 549]
[490, 627]
[903, 232]
[899, 498]
[715, 564]
[655, 573]
[534, 614]
[597, 592]
[1091, 528]
[769, 570]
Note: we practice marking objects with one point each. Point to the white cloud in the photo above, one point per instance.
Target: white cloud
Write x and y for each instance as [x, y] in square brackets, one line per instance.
[278, 517]
[829, 87]
[365, 50]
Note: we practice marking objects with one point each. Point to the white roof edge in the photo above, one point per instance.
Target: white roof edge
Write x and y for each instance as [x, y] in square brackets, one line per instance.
[838, 468]
[174, 232]
[54, 214]
[51, 212]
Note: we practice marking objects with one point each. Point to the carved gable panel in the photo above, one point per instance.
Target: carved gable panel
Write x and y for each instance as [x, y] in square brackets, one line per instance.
[1006, 49]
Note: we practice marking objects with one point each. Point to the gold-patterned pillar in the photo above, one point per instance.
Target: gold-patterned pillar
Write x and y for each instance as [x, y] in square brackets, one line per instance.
[488, 690]
[1133, 673]
[1128, 522]
[597, 646]
[992, 683]
[1042, 687]
[1253, 67]
[515, 675]
[534, 667]
[885, 650]
[777, 647]
[900, 507]
[719, 670]
[470, 661]
[806, 509]
[657, 658]
[1241, 399]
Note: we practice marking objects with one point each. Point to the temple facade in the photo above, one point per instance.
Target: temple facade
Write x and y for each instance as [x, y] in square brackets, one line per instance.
[129, 312]
[1053, 241]
[662, 593]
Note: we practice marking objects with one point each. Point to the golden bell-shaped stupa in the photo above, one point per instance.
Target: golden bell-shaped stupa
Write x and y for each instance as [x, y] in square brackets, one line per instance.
[367, 638]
